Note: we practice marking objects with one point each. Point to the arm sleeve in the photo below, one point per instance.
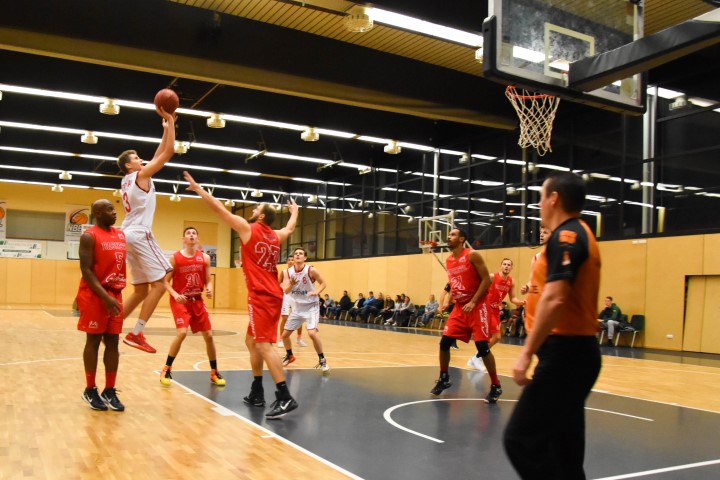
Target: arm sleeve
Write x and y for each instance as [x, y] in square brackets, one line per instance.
[566, 251]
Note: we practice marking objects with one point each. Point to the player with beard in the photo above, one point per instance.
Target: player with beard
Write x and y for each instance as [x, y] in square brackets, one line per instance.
[260, 252]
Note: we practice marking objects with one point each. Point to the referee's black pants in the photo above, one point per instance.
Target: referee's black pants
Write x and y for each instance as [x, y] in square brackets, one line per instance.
[545, 437]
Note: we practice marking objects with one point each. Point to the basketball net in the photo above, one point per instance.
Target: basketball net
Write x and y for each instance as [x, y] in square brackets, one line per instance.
[536, 113]
[427, 246]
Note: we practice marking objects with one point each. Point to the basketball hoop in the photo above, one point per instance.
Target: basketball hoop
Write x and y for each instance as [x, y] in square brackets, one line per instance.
[427, 245]
[536, 113]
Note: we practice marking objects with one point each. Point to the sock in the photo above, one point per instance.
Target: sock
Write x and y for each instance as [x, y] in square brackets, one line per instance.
[321, 356]
[282, 389]
[90, 379]
[289, 352]
[213, 364]
[257, 383]
[445, 376]
[110, 379]
[169, 361]
[478, 355]
[494, 378]
[139, 327]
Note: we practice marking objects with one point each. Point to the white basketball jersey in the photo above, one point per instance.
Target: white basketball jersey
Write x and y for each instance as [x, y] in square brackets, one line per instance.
[300, 290]
[139, 205]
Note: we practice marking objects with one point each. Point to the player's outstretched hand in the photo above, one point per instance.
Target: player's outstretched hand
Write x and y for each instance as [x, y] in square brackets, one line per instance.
[168, 118]
[194, 186]
[292, 206]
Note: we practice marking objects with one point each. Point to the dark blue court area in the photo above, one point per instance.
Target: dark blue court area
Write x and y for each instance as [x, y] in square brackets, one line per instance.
[382, 423]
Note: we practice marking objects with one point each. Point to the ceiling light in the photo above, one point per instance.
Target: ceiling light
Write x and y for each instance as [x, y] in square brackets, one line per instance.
[229, 203]
[586, 177]
[181, 147]
[679, 102]
[464, 159]
[358, 21]
[635, 186]
[479, 55]
[363, 171]
[411, 219]
[90, 138]
[532, 167]
[215, 121]
[370, 215]
[65, 175]
[312, 199]
[511, 190]
[256, 193]
[116, 193]
[57, 188]
[174, 197]
[0, 95]
[109, 107]
[309, 135]
[421, 26]
[392, 148]
[665, 93]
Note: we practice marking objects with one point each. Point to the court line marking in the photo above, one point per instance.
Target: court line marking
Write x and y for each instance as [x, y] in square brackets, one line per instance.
[387, 414]
[620, 414]
[661, 470]
[270, 433]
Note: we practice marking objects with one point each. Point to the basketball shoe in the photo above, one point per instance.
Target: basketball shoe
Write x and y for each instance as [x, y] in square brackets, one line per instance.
[138, 341]
[281, 407]
[477, 363]
[322, 365]
[109, 396]
[216, 378]
[166, 376]
[440, 386]
[91, 396]
[256, 398]
[287, 360]
[494, 395]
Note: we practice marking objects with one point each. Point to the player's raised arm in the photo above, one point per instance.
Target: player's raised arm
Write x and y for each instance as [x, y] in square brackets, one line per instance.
[237, 223]
[288, 229]
[165, 150]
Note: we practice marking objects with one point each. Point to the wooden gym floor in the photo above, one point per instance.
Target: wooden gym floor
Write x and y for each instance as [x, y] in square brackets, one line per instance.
[371, 417]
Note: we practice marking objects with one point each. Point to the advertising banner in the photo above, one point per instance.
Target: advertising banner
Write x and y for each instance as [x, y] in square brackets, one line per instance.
[75, 217]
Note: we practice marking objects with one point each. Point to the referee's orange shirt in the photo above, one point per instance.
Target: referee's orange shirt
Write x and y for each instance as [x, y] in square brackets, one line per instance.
[572, 254]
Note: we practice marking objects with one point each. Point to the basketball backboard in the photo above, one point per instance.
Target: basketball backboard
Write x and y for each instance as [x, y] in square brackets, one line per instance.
[531, 43]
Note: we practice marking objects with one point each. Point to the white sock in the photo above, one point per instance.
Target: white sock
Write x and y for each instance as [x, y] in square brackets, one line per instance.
[139, 327]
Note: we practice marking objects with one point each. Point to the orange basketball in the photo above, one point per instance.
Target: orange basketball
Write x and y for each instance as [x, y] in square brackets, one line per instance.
[167, 99]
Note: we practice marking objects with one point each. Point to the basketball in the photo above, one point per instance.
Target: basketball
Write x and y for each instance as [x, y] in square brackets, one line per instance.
[167, 99]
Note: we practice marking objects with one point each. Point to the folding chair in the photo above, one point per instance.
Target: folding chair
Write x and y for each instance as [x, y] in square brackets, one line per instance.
[637, 323]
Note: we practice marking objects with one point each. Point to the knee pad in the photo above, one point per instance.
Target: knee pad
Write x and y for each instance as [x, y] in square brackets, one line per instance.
[446, 343]
[483, 348]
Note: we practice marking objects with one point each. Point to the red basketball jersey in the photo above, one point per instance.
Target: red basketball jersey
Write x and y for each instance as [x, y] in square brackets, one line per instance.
[464, 279]
[259, 260]
[189, 274]
[109, 257]
[498, 289]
